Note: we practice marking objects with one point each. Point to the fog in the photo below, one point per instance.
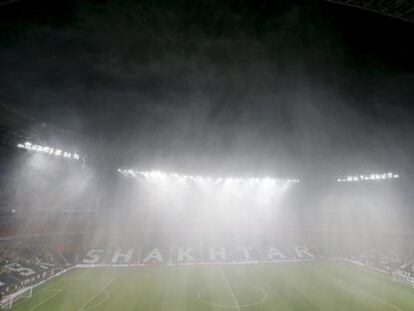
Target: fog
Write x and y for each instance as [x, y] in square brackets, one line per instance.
[159, 209]
[239, 94]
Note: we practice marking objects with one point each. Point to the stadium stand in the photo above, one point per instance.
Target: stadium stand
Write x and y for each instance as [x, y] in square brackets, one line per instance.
[25, 261]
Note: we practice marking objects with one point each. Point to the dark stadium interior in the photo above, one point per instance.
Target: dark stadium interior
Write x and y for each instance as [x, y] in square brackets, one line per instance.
[175, 132]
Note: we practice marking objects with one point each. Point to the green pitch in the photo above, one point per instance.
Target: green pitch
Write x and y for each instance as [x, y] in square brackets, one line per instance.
[311, 286]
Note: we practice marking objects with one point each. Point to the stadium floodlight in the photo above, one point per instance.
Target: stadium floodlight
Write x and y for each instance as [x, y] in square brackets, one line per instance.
[369, 177]
[159, 175]
[48, 150]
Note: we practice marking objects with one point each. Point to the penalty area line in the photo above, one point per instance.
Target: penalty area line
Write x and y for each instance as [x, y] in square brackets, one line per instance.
[360, 291]
[83, 307]
[58, 291]
[99, 303]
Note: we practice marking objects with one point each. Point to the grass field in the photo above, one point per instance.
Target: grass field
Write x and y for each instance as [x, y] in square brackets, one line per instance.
[324, 286]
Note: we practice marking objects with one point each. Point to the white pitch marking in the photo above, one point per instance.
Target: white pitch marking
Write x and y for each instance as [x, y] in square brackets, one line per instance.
[90, 278]
[82, 308]
[231, 291]
[45, 288]
[200, 296]
[362, 292]
[99, 303]
[58, 291]
[56, 281]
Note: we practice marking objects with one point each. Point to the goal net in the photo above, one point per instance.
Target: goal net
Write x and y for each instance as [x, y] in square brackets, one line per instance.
[8, 301]
[403, 277]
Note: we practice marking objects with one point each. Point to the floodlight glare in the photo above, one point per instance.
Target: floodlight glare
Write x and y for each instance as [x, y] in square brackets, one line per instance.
[48, 150]
[369, 177]
[201, 179]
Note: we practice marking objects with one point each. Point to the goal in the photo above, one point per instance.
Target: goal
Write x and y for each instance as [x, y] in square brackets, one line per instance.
[8, 301]
[403, 277]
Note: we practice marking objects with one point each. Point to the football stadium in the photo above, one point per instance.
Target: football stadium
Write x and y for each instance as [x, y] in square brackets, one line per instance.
[206, 155]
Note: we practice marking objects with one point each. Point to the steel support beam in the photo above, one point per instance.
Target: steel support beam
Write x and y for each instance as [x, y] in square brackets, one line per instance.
[401, 9]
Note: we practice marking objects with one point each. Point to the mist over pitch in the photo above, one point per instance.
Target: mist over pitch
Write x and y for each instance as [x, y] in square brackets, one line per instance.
[161, 134]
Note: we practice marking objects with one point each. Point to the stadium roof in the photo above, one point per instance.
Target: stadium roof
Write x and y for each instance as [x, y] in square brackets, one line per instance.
[401, 9]
[271, 85]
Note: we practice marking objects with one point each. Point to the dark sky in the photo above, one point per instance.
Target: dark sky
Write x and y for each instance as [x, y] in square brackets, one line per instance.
[254, 86]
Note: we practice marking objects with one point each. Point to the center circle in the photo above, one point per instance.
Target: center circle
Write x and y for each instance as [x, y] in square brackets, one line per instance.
[232, 295]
